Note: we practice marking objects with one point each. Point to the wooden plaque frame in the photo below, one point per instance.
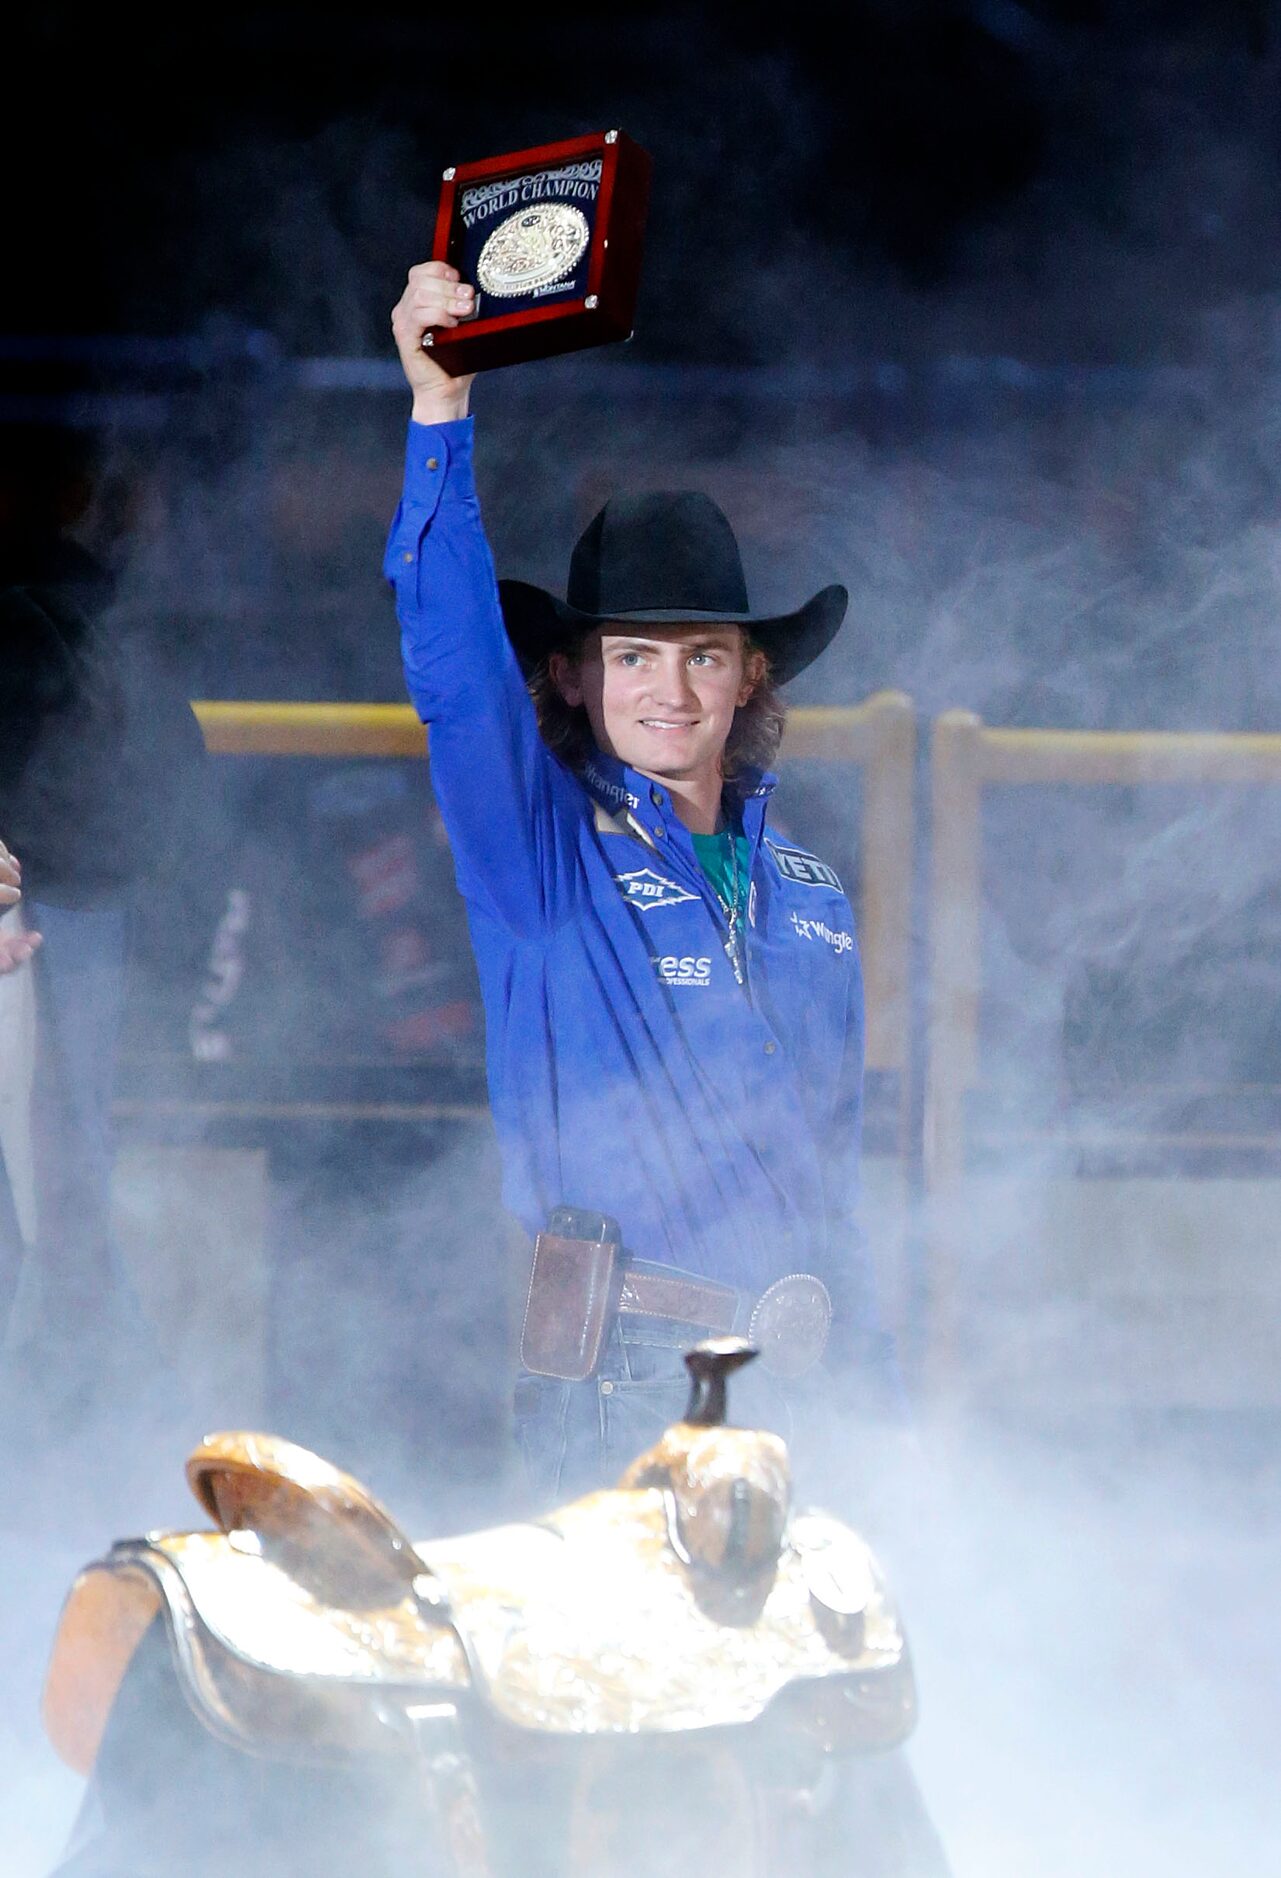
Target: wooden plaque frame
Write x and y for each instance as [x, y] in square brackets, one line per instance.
[605, 310]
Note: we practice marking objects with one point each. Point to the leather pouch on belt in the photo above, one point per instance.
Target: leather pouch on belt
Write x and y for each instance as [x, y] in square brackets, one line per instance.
[571, 1292]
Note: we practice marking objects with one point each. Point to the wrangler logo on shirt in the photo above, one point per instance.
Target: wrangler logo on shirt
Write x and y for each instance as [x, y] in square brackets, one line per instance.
[795, 864]
[607, 790]
[819, 929]
[646, 889]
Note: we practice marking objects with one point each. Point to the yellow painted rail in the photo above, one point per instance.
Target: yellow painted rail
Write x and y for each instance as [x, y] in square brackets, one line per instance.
[878, 737]
[337, 730]
[1116, 756]
[968, 757]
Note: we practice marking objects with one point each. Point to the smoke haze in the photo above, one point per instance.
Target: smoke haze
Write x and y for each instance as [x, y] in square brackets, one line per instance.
[1035, 430]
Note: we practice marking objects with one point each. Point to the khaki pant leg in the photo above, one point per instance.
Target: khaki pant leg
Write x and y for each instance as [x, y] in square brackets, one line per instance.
[17, 1071]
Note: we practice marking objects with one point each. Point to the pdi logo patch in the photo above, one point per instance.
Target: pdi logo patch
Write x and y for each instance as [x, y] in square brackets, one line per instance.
[647, 890]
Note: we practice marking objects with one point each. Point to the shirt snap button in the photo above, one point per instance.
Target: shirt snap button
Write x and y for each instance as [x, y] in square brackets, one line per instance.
[770, 1048]
[408, 555]
[659, 830]
[433, 463]
[607, 1388]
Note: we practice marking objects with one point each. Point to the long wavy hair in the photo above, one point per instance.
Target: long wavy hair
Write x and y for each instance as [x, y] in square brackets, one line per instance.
[752, 744]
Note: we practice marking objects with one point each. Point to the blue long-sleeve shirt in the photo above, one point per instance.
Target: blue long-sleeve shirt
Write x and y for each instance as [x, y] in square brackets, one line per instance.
[629, 1072]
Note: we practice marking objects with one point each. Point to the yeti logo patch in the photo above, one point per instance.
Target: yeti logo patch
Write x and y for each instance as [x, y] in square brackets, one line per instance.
[795, 864]
[647, 890]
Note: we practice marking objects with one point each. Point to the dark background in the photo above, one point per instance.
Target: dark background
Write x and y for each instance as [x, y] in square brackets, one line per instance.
[984, 286]
[960, 154]
[970, 304]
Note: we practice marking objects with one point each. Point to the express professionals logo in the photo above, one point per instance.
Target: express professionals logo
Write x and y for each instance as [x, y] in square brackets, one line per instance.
[677, 972]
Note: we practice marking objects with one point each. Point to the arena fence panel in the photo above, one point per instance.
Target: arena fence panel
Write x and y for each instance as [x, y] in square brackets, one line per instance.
[1096, 1259]
[877, 737]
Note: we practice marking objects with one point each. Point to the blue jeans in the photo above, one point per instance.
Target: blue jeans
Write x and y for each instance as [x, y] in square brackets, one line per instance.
[576, 1436]
[80, 976]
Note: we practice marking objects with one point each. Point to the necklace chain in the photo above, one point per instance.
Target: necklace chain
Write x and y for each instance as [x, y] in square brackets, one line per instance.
[732, 908]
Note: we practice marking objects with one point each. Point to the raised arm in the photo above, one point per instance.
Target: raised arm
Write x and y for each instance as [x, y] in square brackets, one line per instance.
[509, 808]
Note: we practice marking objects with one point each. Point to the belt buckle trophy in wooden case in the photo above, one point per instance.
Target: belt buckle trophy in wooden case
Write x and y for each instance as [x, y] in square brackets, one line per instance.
[551, 239]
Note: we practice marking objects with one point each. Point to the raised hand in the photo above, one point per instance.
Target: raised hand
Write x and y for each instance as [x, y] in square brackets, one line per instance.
[10, 878]
[15, 947]
[434, 296]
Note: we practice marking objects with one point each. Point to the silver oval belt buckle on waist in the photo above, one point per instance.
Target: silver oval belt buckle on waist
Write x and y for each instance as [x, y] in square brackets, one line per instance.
[789, 1324]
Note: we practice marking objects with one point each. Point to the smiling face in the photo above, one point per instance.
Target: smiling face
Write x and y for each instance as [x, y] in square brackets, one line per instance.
[661, 698]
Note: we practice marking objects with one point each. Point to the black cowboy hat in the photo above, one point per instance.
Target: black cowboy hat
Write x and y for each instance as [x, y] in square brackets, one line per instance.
[663, 559]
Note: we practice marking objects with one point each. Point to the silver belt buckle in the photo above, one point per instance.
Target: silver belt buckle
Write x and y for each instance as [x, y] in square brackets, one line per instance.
[789, 1324]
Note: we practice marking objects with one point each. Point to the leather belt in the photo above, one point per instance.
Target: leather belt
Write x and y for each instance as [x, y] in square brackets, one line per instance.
[788, 1323]
[696, 1301]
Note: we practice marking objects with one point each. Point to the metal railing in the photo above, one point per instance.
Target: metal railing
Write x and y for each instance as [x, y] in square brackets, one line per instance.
[877, 737]
[968, 758]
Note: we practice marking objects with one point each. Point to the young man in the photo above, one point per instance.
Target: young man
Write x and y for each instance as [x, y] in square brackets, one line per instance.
[672, 992]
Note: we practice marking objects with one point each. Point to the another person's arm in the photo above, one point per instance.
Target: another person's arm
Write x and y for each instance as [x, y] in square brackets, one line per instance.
[507, 804]
[17, 946]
